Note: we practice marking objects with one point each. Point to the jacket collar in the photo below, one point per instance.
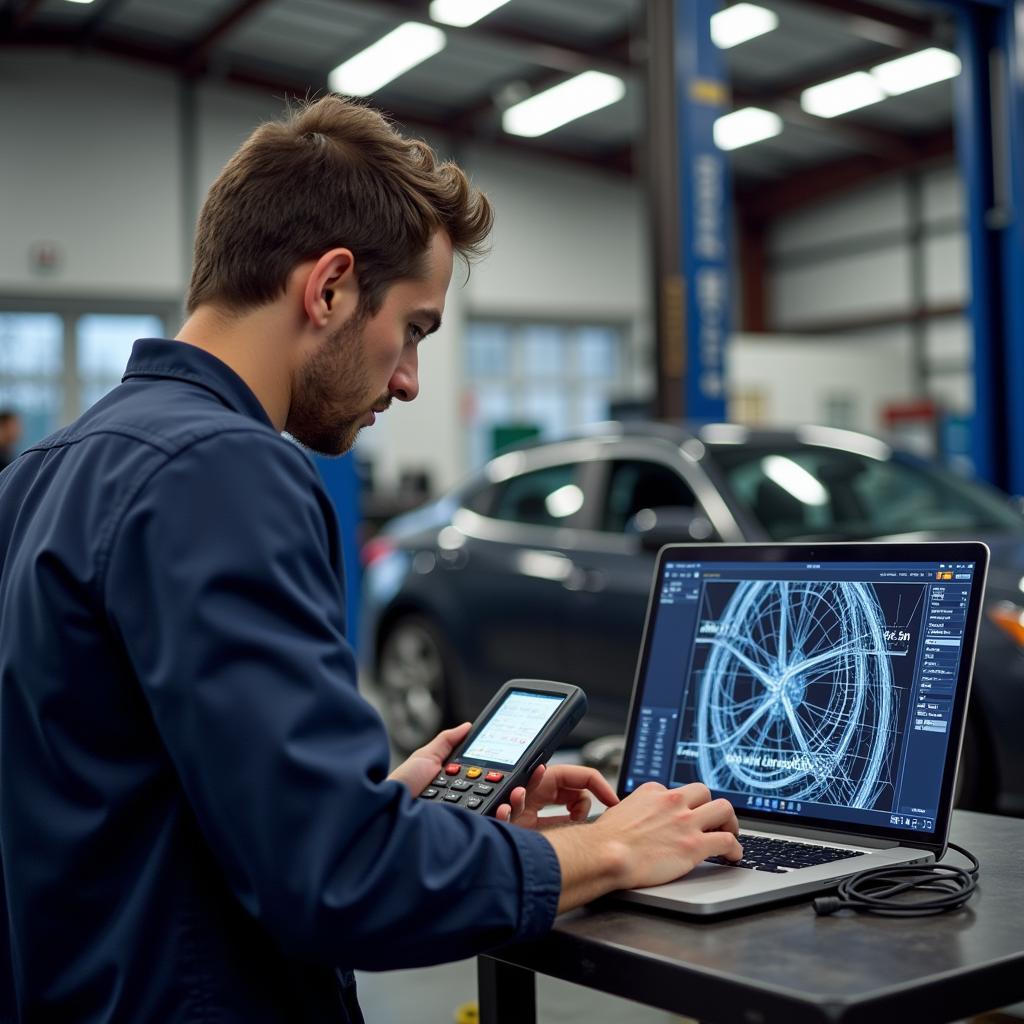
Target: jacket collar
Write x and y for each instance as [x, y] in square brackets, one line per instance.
[177, 360]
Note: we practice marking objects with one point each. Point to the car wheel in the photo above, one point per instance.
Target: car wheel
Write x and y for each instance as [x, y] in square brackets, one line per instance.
[413, 676]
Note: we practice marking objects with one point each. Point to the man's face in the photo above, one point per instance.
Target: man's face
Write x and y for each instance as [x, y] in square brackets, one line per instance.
[369, 360]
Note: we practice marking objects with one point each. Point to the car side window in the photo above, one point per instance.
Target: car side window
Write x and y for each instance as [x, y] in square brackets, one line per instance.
[481, 500]
[635, 484]
[544, 497]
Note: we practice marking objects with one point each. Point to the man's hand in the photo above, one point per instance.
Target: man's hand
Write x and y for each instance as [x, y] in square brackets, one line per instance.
[653, 836]
[422, 766]
[565, 785]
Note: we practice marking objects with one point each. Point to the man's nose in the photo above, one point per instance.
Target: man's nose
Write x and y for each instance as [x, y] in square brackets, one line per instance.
[405, 384]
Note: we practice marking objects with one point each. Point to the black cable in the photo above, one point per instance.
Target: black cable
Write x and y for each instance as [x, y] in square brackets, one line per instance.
[877, 890]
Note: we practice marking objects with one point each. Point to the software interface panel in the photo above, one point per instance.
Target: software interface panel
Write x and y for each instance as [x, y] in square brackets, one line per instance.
[818, 690]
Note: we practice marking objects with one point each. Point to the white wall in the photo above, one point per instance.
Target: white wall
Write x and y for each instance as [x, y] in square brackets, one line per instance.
[92, 161]
[852, 257]
[796, 377]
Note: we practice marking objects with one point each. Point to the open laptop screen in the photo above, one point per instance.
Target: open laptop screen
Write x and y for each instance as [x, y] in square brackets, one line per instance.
[825, 683]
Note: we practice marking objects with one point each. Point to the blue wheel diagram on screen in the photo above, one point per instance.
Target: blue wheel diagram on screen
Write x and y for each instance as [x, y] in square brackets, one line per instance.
[796, 699]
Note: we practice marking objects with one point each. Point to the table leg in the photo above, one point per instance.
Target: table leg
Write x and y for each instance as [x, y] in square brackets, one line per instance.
[507, 994]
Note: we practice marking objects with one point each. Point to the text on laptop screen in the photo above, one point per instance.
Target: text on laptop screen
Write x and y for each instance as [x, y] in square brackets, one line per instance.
[819, 690]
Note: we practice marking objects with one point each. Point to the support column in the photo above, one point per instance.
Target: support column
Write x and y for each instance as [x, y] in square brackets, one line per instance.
[691, 207]
[1011, 39]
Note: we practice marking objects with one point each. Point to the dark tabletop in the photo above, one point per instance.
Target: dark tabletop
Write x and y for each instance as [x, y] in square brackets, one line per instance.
[787, 964]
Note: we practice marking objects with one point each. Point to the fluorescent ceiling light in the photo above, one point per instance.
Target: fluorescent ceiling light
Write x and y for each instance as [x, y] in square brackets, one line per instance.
[741, 22]
[916, 70]
[893, 78]
[746, 126]
[563, 103]
[394, 54]
[792, 477]
[841, 95]
[463, 12]
[79, 1]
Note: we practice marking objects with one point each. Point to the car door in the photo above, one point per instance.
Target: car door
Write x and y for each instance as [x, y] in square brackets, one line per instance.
[615, 572]
[512, 572]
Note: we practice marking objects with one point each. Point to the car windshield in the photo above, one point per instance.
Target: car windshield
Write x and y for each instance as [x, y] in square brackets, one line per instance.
[804, 491]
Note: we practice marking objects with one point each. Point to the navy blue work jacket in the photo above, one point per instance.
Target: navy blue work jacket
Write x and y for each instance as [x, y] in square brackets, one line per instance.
[195, 820]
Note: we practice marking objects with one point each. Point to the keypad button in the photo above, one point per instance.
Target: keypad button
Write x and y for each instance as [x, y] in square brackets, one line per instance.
[441, 780]
[483, 789]
[453, 798]
[453, 769]
[461, 785]
[473, 802]
[494, 776]
[474, 773]
[430, 792]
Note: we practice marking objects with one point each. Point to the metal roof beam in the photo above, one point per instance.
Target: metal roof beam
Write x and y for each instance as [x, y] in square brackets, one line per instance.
[766, 200]
[878, 23]
[196, 53]
[616, 160]
[23, 15]
[99, 17]
[535, 49]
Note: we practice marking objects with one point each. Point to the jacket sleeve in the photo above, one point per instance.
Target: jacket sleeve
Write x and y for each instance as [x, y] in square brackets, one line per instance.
[223, 586]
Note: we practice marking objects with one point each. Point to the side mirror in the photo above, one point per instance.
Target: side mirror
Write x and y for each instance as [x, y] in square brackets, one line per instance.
[657, 527]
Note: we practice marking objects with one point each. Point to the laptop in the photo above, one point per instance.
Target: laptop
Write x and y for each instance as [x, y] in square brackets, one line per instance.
[822, 689]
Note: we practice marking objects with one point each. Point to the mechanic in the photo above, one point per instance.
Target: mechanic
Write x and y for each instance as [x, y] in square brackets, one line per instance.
[196, 817]
[10, 434]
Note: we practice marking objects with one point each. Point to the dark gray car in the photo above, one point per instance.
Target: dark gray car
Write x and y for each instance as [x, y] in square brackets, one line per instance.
[540, 566]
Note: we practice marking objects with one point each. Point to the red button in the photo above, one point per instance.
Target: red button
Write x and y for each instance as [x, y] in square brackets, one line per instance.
[453, 769]
[494, 777]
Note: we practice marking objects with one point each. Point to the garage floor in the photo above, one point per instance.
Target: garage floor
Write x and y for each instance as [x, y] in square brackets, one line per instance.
[432, 996]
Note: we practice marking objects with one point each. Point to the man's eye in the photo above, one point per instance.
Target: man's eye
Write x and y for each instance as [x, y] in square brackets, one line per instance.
[416, 332]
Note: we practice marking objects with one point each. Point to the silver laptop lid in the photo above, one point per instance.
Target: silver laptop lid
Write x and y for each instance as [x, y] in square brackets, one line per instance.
[822, 685]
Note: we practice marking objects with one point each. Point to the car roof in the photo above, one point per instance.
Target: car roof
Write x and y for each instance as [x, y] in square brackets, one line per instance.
[714, 434]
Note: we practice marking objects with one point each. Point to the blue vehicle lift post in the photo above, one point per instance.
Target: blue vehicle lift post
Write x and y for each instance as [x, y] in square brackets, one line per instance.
[691, 208]
[990, 147]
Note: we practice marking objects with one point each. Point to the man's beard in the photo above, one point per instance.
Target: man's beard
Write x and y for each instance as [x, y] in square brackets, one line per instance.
[329, 393]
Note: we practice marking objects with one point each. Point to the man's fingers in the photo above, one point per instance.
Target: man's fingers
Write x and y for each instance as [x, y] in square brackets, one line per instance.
[562, 779]
[517, 800]
[579, 809]
[695, 794]
[718, 815]
[721, 844]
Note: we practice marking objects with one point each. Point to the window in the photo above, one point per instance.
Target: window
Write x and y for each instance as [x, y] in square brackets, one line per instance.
[545, 379]
[55, 362]
[31, 370]
[545, 497]
[635, 485]
[104, 344]
[833, 494]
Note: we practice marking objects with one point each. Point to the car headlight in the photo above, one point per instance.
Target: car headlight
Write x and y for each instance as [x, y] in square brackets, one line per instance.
[1009, 617]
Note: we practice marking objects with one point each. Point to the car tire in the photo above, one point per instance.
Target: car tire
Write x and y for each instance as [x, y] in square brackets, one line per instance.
[414, 677]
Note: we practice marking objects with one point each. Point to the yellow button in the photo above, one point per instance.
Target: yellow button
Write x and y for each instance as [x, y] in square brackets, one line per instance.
[474, 773]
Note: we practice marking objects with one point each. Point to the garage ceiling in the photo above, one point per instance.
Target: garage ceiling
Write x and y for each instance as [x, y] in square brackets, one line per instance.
[289, 46]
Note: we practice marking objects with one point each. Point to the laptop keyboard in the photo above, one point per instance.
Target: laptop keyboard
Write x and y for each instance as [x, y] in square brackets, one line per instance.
[780, 855]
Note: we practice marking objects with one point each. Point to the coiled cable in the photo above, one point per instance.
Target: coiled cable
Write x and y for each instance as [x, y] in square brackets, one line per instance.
[896, 891]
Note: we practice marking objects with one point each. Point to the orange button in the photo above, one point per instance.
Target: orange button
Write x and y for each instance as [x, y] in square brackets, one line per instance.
[453, 769]
[474, 773]
[494, 777]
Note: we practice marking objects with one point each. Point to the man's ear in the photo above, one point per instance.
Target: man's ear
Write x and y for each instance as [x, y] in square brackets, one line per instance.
[331, 292]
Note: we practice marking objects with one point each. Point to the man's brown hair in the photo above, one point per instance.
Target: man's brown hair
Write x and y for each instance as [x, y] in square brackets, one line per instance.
[333, 173]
